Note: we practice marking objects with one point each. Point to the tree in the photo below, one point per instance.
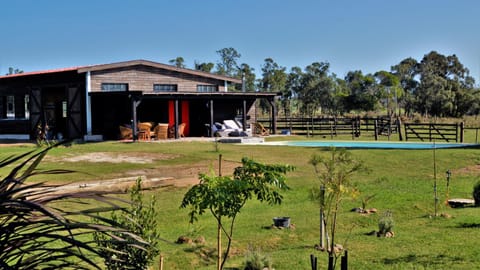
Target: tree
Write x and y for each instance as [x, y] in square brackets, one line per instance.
[406, 71]
[334, 174]
[390, 89]
[364, 94]
[228, 61]
[317, 88]
[205, 67]
[178, 62]
[247, 73]
[34, 234]
[225, 196]
[274, 79]
[139, 219]
[12, 71]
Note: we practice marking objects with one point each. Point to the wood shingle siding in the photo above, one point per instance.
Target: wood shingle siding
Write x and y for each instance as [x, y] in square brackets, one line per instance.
[142, 78]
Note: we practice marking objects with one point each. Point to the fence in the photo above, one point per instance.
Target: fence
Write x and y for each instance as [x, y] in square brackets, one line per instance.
[380, 126]
[434, 132]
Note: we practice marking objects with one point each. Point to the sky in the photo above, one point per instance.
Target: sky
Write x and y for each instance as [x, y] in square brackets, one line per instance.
[366, 35]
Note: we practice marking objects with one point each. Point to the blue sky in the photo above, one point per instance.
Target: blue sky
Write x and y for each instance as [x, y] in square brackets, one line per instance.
[366, 35]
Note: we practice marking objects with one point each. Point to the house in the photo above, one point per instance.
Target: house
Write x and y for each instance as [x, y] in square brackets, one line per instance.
[91, 102]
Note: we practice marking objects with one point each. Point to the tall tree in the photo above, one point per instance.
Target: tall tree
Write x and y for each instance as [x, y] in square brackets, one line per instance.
[317, 88]
[247, 74]
[228, 61]
[390, 89]
[406, 71]
[178, 62]
[274, 79]
[205, 67]
[444, 81]
[364, 94]
[12, 71]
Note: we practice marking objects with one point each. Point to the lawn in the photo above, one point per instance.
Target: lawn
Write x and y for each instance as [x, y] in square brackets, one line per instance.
[401, 180]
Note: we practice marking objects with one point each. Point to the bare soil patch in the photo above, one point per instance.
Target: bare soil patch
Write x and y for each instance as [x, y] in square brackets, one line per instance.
[162, 175]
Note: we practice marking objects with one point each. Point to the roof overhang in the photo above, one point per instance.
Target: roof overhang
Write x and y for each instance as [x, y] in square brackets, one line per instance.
[159, 66]
[193, 95]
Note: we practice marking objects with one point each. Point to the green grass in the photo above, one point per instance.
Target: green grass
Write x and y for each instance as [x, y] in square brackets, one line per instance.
[402, 181]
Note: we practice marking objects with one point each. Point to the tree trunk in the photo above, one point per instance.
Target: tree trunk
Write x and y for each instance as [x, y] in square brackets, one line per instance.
[219, 247]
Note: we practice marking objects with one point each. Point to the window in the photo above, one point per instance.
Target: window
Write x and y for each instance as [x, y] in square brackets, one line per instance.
[10, 107]
[206, 88]
[165, 88]
[122, 87]
[27, 106]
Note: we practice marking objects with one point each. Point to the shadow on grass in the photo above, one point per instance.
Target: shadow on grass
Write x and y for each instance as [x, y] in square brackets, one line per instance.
[206, 255]
[468, 225]
[424, 260]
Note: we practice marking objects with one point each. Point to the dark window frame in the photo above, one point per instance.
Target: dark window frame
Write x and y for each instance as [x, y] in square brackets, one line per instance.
[162, 87]
[207, 88]
[114, 87]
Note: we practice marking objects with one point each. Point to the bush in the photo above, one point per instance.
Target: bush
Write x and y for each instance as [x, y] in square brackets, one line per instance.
[476, 193]
[385, 224]
[254, 260]
[140, 219]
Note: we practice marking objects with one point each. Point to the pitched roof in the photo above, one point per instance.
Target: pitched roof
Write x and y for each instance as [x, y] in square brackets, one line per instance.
[160, 66]
[40, 72]
[83, 69]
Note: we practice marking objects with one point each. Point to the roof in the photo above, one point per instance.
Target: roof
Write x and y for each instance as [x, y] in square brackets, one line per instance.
[160, 66]
[41, 72]
[84, 69]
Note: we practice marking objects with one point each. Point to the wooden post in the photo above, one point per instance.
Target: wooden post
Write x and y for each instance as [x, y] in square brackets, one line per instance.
[160, 263]
[375, 129]
[399, 129]
[313, 262]
[462, 128]
[344, 261]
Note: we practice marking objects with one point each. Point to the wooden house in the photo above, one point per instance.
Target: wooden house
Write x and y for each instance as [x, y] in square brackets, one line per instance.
[91, 102]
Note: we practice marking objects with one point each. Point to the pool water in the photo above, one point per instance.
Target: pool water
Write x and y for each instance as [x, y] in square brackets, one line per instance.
[374, 144]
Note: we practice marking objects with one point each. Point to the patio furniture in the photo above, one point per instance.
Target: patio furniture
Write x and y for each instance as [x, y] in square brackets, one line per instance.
[125, 133]
[259, 129]
[161, 131]
[144, 131]
[181, 130]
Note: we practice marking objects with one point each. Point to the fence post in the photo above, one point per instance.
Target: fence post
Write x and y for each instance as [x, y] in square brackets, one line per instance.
[375, 129]
[344, 261]
[462, 128]
[330, 262]
[399, 128]
[313, 262]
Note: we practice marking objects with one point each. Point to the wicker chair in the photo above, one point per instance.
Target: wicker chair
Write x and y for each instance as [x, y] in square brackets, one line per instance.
[125, 133]
[144, 131]
[161, 131]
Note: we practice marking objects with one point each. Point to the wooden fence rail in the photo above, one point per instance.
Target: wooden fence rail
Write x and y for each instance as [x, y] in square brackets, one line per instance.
[380, 126]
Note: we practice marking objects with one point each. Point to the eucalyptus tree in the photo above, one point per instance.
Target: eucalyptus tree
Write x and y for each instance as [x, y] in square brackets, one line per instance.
[406, 71]
[444, 82]
[247, 73]
[228, 61]
[292, 88]
[317, 88]
[390, 89]
[178, 62]
[205, 67]
[274, 79]
[364, 94]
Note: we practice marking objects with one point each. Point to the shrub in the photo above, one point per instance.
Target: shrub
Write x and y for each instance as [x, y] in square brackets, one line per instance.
[255, 260]
[35, 233]
[476, 193]
[385, 224]
[140, 219]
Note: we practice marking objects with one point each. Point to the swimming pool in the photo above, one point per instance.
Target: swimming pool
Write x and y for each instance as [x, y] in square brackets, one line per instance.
[374, 144]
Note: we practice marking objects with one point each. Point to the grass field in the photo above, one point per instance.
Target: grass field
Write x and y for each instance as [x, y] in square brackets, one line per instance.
[402, 181]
